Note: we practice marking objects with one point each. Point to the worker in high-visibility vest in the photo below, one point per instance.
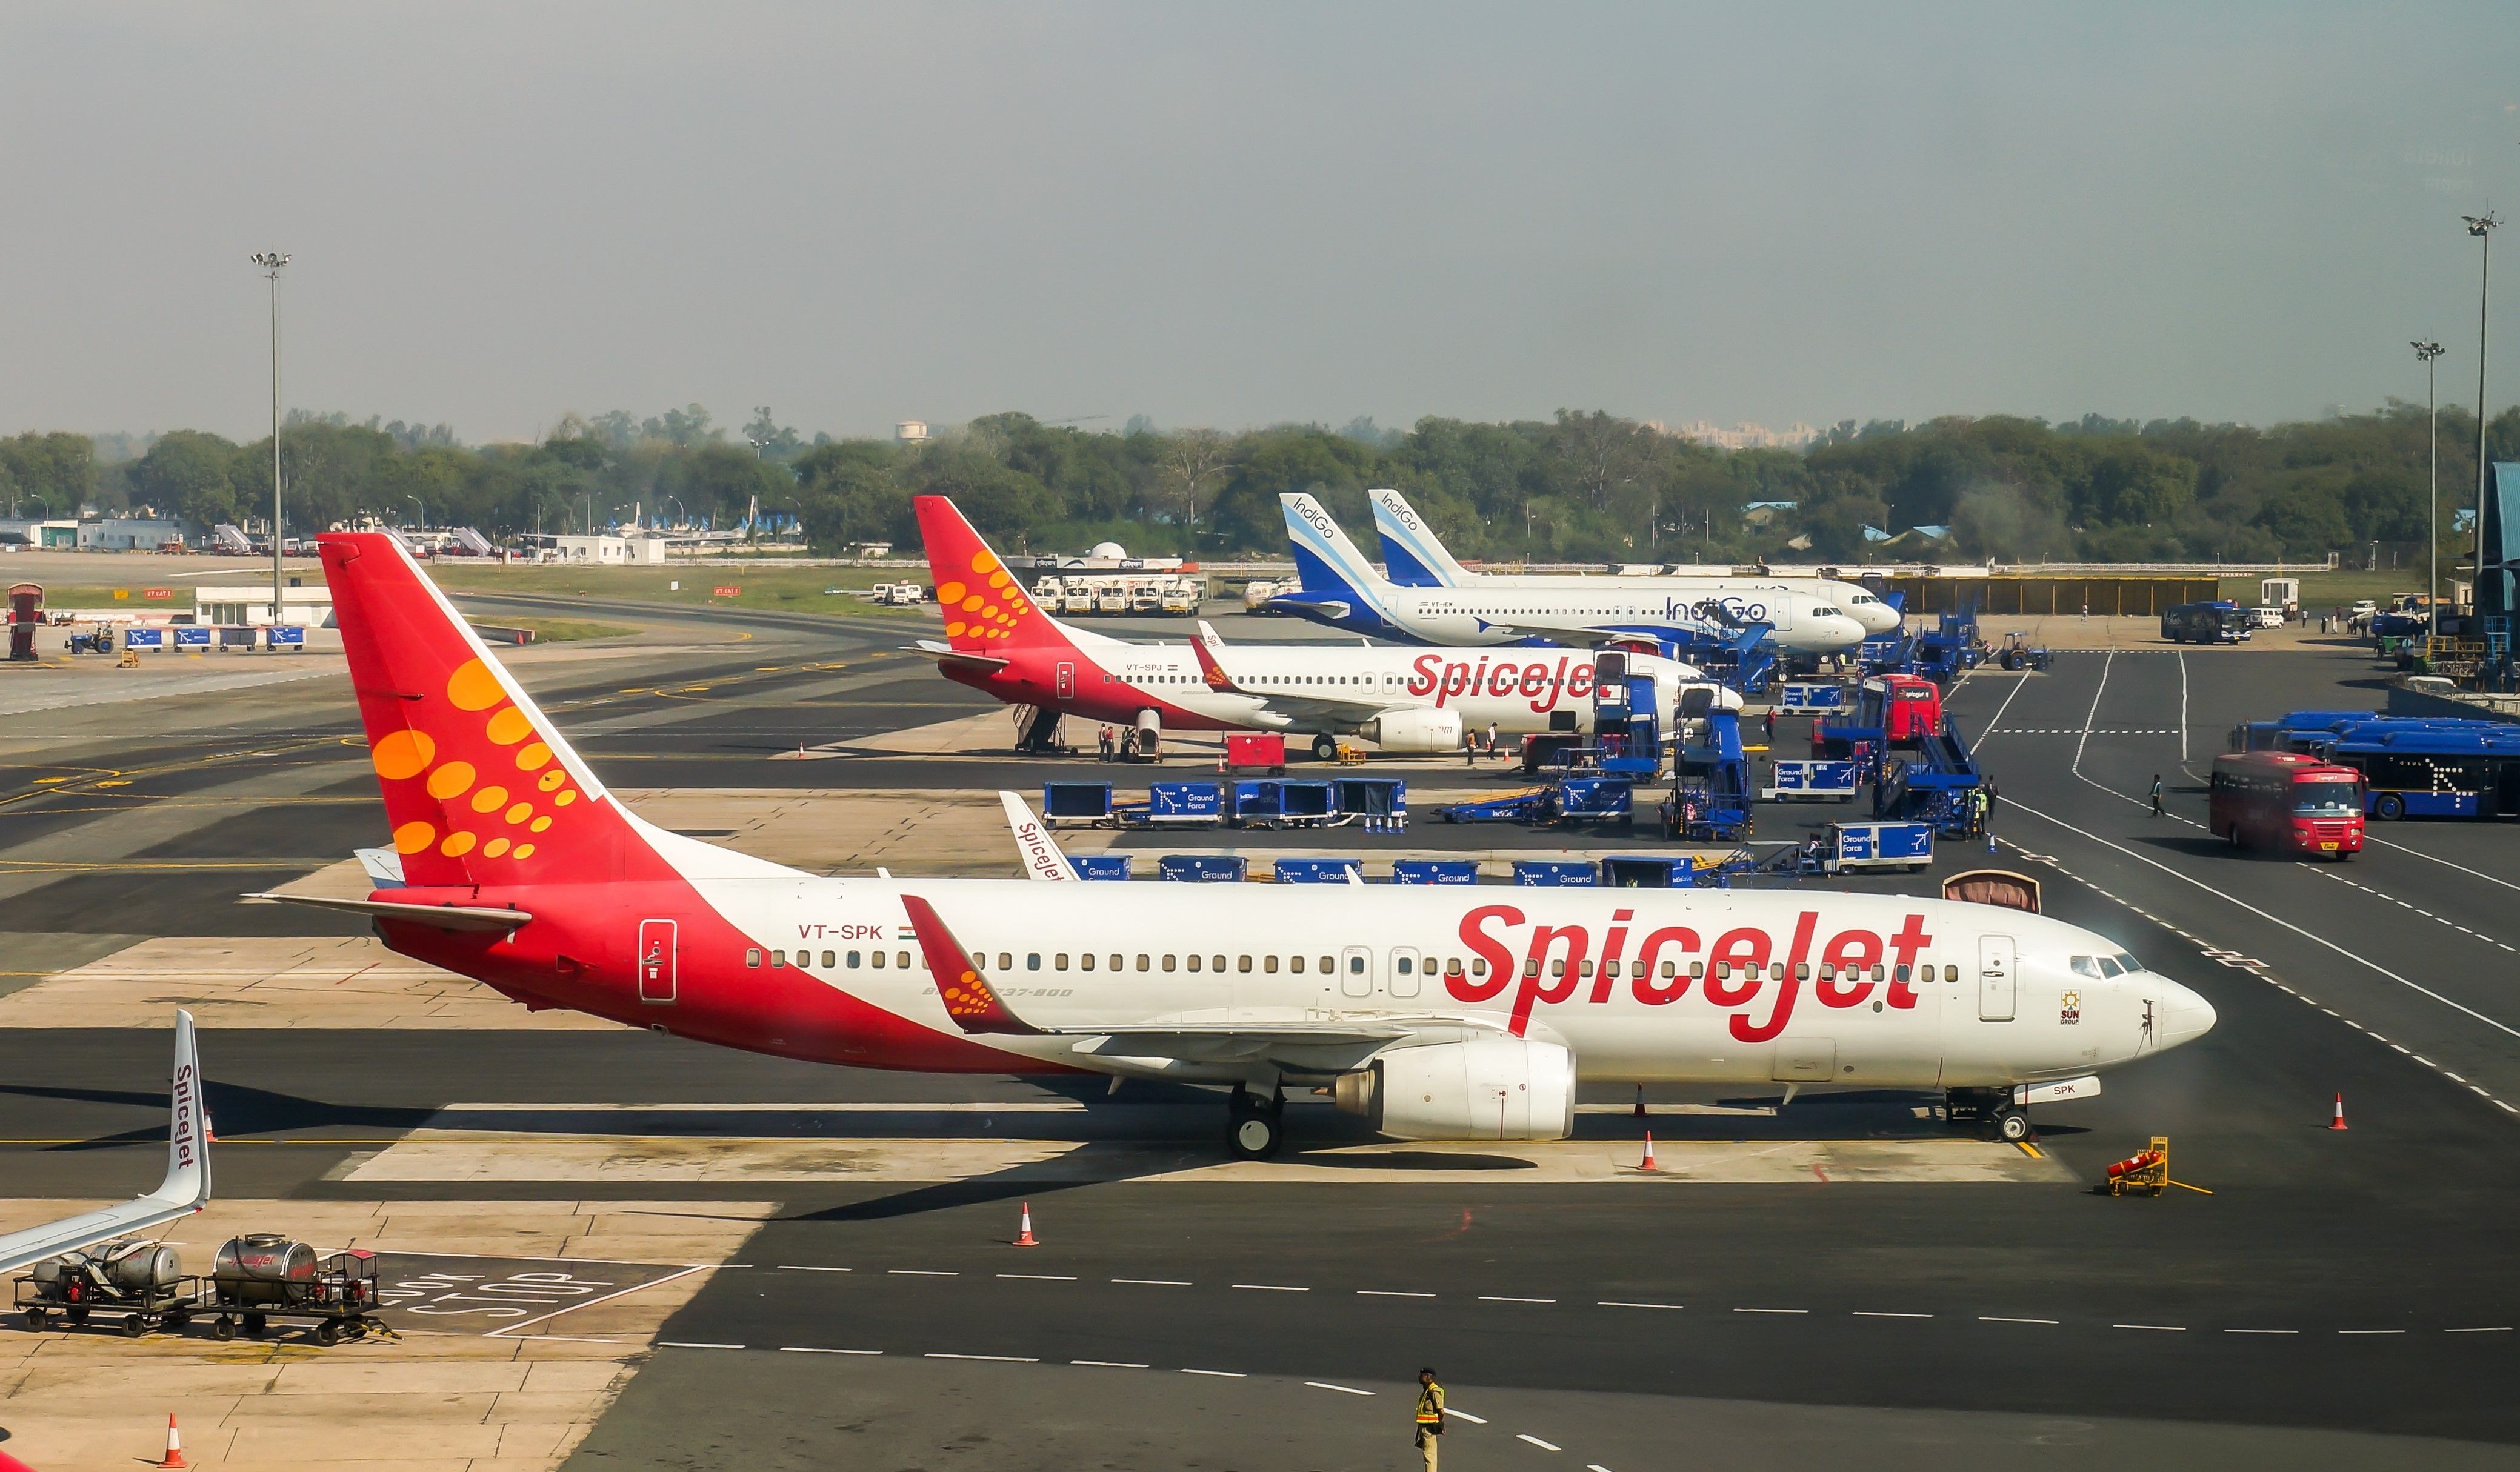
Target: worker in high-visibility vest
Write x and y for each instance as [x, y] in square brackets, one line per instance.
[1430, 1416]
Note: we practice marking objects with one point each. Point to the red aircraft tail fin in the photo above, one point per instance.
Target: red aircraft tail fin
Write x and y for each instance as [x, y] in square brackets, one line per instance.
[986, 609]
[968, 999]
[478, 785]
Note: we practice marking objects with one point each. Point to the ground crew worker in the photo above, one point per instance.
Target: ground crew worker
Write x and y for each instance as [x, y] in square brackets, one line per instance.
[1771, 726]
[1103, 738]
[2156, 795]
[1430, 1416]
[1492, 739]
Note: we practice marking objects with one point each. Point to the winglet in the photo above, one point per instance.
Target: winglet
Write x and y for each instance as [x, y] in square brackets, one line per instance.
[1208, 666]
[185, 1191]
[1040, 852]
[968, 996]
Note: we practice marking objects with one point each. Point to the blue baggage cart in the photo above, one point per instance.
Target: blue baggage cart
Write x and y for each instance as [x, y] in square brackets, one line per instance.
[1858, 846]
[1316, 871]
[1075, 802]
[193, 636]
[143, 639]
[1100, 865]
[1811, 700]
[1435, 871]
[1201, 869]
[1189, 804]
[1595, 799]
[287, 636]
[1556, 873]
[1647, 871]
[1831, 780]
[1380, 804]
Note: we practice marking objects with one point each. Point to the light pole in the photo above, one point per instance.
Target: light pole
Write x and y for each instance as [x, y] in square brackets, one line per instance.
[423, 510]
[2482, 226]
[2427, 352]
[271, 261]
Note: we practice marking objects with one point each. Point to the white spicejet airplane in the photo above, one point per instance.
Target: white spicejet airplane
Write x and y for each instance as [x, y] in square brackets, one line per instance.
[999, 640]
[1413, 556]
[185, 1191]
[1341, 588]
[1438, 1014]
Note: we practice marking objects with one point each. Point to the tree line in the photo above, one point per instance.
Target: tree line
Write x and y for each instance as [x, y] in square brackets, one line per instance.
[1578, 486]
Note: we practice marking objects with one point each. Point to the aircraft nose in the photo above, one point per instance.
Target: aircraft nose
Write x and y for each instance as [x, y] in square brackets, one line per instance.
[2185, 1017]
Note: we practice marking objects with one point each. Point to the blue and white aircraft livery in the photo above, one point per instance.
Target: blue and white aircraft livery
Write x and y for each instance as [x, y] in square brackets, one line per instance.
[1341, 588]
[1413, 556]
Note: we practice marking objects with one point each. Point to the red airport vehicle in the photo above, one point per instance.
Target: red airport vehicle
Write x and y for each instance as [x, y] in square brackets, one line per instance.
[2287, 800]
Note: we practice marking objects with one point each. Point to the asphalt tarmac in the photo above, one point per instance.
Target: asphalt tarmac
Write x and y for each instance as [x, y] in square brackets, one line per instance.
[2337, 1294]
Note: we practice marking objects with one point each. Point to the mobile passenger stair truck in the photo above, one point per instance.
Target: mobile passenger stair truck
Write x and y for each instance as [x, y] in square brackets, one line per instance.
[1938, 786]
[1710, 785]
[1951, 650]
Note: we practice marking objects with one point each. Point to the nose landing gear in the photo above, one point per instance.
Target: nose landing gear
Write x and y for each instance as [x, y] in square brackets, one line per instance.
[1256, 1125]
[1994, 1110]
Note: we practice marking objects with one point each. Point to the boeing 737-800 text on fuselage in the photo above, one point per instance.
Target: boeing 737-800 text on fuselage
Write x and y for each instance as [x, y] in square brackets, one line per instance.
[1439, 1013]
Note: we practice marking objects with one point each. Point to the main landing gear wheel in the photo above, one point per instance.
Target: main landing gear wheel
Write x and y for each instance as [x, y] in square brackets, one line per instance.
[1256, 1127]
[1325, 747]
[2013, 1125]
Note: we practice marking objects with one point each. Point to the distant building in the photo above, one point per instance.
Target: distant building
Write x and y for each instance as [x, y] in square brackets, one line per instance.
[249, 603]
[1762, 513]
[911, 431]
[127, 534]
[606, 550]
[60, 533]
[1749, 437]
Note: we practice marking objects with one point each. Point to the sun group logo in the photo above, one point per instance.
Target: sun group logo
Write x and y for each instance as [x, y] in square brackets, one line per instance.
[2069, 1011]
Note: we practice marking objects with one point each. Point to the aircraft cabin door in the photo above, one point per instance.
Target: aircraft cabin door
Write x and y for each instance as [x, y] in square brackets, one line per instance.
[1356, 973]
[1996, 983]
[1406, 972]
[656, 955]
[1066, 680]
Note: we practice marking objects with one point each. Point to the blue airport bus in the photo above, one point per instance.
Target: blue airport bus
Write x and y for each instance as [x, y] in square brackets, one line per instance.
[2206, 623]
[2412, 767]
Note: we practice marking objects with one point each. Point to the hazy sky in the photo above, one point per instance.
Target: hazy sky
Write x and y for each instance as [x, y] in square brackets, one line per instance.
[1240, 214]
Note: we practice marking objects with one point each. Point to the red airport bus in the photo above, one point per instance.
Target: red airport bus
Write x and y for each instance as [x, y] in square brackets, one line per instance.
[1907, 710]
[2288, 800]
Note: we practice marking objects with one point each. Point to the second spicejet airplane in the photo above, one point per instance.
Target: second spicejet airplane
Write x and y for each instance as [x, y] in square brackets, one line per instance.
[999, 641]
[1439, 1014]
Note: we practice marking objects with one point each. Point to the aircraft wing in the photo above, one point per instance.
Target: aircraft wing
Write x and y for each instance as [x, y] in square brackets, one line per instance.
[435, 916]
[185, 1191]
[1286, 711]
[1042, 855]
[946, 654]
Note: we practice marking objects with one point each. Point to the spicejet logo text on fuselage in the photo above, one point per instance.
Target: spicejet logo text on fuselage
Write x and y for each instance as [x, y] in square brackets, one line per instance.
[1555, 960]
[1539, 681]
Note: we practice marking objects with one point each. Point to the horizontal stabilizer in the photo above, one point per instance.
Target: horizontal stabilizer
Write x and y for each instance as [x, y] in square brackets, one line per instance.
[441, 916]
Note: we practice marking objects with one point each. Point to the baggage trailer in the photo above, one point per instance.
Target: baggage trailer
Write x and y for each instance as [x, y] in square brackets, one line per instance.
[1805, 698]
[1830, 780]
[1854, 847]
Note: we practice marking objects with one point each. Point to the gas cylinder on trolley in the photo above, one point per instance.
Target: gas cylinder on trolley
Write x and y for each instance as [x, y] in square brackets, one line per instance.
[127, 1265]
[263, 1268]
[2139, 1161]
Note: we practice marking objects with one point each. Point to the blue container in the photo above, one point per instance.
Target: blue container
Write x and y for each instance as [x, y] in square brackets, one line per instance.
[287, 636]
[143, 639]
[1186, 802]
[197, 637]
[1201, 869]
[1308, 799]
[1584, 798]
[1372, 796]
[1313, 871]
[1556, 873]
[1100, 865]
[1076, 802]
[1435, 871]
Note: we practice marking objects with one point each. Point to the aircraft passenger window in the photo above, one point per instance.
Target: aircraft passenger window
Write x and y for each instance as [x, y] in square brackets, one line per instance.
[1723, 971]
[1268, 963]
[1085, 962]
[1670, 969]
[830, 962]
[1143, 963]
[1060, 961]
[1531, 966]
[1401, 963]
[901, 958]
[1587, 968]
[1115, 963]
[752, 958]
[1802, 970]
[1697, 969]
[1006, 963]
[1295, 964]
[855, 958]
[1243, 964]
[1557, 968]
[1877, 973]
[1453, 968]
[1951, 973]
[1032, 960]
[1776, 970]
[2084, 965]
[1219, 963]
[1169, 962]
[2108, 966]
[1327, 966]
[1193, 963]
[778, 958]
[1479, 968]
[1902, 973]
[1356, 966]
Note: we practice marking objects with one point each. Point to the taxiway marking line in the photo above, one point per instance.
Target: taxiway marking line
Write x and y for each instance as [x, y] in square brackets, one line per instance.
[801, 1348]
[1222, 1374]
[1524, 1436]
[1388, 1293]
[993, 1358]
[1342, 1389]
[1109, 1364]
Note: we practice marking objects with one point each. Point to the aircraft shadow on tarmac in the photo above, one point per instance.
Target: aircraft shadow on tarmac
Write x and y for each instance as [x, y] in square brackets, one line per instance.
[236, 1110]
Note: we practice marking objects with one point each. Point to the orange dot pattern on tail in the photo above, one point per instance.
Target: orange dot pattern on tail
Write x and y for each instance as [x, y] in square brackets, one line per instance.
[968, 995]
[472, 735]
[988, 605]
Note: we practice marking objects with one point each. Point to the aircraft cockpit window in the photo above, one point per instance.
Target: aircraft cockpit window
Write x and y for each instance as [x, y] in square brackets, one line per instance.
[2084, 965]
[2109, 966]
[2130, 962]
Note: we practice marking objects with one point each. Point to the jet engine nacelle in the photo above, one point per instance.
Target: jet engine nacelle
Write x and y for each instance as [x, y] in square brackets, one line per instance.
[1486, 1089]
[1415, 731]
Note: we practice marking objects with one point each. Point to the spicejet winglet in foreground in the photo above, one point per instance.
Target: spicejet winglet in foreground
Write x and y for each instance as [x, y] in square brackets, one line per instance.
[999, 641]
[1439, 1014]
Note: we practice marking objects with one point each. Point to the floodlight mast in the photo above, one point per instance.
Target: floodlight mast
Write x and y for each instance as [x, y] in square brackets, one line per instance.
[271, 261]
[2427, 352]
[2482, 227]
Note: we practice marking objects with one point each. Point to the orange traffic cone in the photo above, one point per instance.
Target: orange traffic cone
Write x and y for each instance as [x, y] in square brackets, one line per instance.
[174, 1445]
[2337, 1121]
[1024, 1239]
[1640, 1101]
[1649, 1160]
